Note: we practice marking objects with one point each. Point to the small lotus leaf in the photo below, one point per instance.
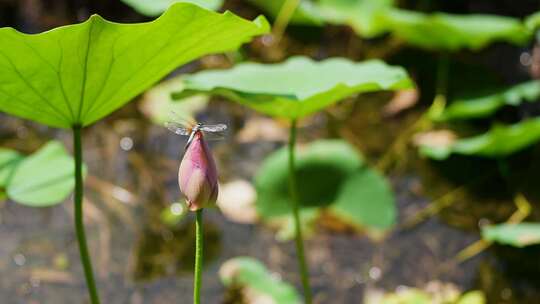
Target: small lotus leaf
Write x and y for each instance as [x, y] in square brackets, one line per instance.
[249, 273]
[489, 103]
[517, 235]
[441, 31]
[500, 141]
[330, 176]
[44, 178]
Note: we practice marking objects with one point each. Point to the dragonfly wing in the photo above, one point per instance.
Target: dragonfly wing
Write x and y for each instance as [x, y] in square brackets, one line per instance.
[214, 128]
[177, 128]
[213, 136]
[182, 118]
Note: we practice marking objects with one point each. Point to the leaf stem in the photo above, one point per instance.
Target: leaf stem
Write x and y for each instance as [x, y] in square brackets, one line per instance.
[441, 87]
[304, 273]
[424, 122]
[79, 225]
[284, 16]
[198, 256]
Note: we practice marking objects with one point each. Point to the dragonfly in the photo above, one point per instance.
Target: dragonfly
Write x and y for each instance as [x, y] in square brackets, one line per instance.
[190, 128]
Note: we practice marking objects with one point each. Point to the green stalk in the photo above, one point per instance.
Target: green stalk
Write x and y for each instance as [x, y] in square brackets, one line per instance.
[441, 88]
[79, 225]
[198, 257]
[296, 215]
[424, 122]
[283, 18]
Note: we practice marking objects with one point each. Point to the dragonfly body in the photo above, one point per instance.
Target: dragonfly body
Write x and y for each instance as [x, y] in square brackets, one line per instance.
[194, 131]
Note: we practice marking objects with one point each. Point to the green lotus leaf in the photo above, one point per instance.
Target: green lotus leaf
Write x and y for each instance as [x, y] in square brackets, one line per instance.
[532, 22]
[249, 273]
[362, 15]
[331, 175]
[366, 200]
[365, 17]
[517, 235]
[9, 160]
[488, 104]
[440, 31]
[297, 87]
[154, 8]
[44, 178]
[77, 74]
[500, 141]
[435, 31]
[314, 164]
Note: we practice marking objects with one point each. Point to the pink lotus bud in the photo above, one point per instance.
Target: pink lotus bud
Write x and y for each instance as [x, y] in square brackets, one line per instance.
[197, 176]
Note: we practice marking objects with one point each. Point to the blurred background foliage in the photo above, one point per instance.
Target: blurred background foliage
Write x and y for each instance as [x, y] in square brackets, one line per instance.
[402, 192]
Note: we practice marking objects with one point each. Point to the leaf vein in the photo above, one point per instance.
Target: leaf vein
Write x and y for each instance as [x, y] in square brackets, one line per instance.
[54, 70]
[36, 92]
[85, 70]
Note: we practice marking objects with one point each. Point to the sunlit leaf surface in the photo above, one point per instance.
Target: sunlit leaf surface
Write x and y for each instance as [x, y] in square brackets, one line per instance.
[356, 194]
[44, 178]
[533, 21]
[78, 74]
[436, 31]
[365, 17]
[473, 297]
[517, 235]
[500, 141]
[297, 87]
[155, 7]
[249, 273]
[440, 31]
[489, 103]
